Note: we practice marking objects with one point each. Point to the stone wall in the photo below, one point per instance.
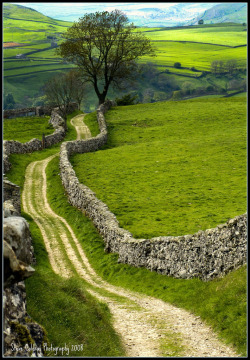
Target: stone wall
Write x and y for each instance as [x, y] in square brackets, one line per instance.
[15, 147]
[11, 196]
[34, 110]
[206, 254]
[22, 336]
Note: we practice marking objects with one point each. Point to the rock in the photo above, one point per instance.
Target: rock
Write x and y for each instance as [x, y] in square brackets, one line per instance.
[9, 209]
[183, 274]
[15, 270]
[17, 235]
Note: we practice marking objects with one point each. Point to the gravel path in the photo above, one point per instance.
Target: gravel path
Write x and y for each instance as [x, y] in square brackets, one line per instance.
[81, 129]
[148, 327]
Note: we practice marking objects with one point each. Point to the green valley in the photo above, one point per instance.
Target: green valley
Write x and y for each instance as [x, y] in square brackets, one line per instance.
[194, 47]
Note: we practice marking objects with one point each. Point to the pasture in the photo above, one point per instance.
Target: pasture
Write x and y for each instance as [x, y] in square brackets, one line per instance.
[219, 34]
[196, 55]
[171, 168]
[25, 128]
[187, 45]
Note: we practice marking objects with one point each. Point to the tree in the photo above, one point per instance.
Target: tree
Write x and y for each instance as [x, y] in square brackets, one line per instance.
[215, 66]
[177, 65]
[201, 22]
[61, 90]
[78, 89]
[231, 65]
[9, 102]
[105, 48]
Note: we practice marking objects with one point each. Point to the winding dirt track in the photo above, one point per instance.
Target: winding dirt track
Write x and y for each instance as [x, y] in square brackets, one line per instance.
[144, 323]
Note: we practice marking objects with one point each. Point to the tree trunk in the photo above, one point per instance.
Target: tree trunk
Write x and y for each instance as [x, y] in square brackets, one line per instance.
[102, 97]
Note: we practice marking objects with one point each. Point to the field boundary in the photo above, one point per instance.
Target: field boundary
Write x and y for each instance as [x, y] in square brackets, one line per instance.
[36, 72]
[205, 254]
[199, 42]
[15, 147]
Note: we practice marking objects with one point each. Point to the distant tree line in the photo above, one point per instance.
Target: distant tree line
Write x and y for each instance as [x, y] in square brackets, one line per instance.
[61, 90]
[221, 67]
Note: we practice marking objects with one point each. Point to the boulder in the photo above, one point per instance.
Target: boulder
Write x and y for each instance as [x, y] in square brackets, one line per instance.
[17, 235]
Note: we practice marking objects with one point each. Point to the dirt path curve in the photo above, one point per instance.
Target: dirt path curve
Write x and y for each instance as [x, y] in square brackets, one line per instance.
[81, 129]
[148, 327]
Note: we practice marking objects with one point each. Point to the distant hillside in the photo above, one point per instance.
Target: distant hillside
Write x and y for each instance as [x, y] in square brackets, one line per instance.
[19, 12]
[225, 12]
[172, 14]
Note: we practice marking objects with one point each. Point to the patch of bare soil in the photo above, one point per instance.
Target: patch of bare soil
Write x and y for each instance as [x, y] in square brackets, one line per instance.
[12, 44]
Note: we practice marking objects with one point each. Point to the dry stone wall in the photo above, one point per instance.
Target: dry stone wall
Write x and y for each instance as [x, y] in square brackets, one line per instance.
[22, 336]
[206, 254]
[11, 196]
[34, 110]
[15, 147]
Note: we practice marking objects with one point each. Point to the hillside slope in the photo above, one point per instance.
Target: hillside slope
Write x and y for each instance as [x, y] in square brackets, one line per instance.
[19, 12]
[226, 12]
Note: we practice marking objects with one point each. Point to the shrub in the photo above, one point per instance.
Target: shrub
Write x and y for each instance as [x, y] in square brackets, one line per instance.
[177, 65]
[160, 96]
[210, 88]
[177, 95]
[9, 102]
[127, 99]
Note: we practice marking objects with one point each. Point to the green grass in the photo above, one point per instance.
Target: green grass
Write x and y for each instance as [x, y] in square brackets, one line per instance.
[91, 122]
[24, 13]
[222, 35]
[198, 55]
[26, 128]
[171, 168]
[221, 303]
[22, 24]
[63, 307]
[170, 49]
[31, 63]
[34, 69]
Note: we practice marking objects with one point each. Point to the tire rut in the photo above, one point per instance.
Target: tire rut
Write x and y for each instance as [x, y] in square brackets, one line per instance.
[144, 323]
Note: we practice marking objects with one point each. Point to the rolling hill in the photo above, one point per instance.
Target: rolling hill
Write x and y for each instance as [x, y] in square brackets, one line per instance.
[223, 13]
[19, 12]
[195, 47]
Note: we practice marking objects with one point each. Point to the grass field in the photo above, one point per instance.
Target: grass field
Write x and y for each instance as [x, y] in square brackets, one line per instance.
[168, 168]
[221, 303]
[171, 168]
[25, 128]
[223, 35]
[195, 54]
